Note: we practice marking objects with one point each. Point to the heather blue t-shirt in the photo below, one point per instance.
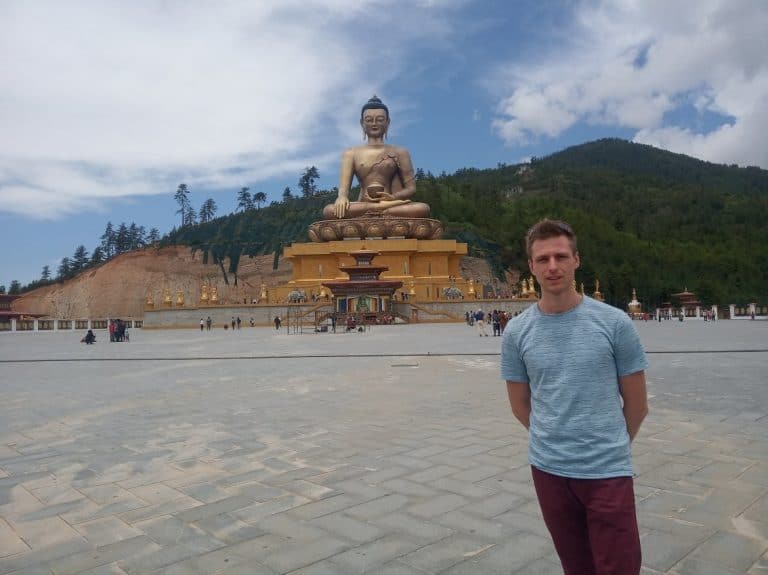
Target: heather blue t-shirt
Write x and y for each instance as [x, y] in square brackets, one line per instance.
[572, 362]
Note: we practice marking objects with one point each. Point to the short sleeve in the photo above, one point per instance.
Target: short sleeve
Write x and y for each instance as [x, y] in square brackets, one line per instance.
[512, 365]
[628, 349]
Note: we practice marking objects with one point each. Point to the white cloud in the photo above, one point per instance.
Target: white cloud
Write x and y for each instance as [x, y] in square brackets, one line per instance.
[635, 64]
[102, 100]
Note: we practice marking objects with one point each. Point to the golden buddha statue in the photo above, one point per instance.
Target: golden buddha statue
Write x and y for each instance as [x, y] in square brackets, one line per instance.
[167, 301]
[214, 295]
[204, 294]
[384, 171]
[180, 298]
[387, 185]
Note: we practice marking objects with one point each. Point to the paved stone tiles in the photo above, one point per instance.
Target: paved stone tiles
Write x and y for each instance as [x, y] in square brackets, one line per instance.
[263, 453]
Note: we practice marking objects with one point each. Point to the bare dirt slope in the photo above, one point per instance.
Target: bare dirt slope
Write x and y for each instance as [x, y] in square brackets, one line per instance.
[120, 287]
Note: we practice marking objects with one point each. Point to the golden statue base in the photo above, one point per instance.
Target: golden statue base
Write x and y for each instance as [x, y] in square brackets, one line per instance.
[375, 226]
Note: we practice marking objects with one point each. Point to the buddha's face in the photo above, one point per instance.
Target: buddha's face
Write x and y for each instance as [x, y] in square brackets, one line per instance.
[375, 123]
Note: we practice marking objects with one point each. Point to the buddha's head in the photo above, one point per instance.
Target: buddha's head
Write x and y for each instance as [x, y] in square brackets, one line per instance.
[374, 118]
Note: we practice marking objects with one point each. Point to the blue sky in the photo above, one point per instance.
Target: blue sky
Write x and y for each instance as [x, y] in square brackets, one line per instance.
[105, 107]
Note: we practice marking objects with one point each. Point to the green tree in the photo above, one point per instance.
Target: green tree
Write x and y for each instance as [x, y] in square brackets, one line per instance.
[108, 241]
[153, 236]
[97, 256]
[136, 235]
[185, 206]
[45, 275]
[122, 241]
[207, 210]
[65, 269]
[287, 195]
[15, 288]
[307, 181]
[244, 200]
[259, 198]
[79, 259]
[190, 217]
[2, 289]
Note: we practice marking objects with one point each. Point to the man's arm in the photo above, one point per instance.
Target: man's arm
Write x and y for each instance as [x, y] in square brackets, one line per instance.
[635, 396]
[520, 400]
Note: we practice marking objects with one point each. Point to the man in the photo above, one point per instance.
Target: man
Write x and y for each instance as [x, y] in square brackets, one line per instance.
[574, 369]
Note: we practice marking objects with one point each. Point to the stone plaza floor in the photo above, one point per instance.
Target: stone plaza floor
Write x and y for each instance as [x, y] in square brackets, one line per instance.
[387, 452]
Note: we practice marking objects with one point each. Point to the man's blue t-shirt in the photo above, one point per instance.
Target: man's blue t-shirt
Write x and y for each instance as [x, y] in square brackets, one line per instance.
[572, 362]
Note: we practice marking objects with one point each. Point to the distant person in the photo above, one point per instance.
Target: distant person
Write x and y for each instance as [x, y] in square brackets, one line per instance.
[89, 337]
[238, 322]
[252, 322]
[208, 323]
[202, 324]
[233, 323]
[480, 321]
[278, 322]
[575, 373]
[333, 322]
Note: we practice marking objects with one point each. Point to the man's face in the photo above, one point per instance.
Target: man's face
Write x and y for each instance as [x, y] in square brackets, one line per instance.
[554, 264]
[375, 123]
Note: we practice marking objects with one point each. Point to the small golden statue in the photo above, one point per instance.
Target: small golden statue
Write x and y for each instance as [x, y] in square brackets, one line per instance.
[214, 295]
[597, 295]
[264, 297]
[149, 302]
[204, 294]
[179, 298]
[471, 290]
[167, 301]
[531, 287]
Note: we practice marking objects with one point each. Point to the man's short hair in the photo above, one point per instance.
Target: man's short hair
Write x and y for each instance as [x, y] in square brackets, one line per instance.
[546, 229]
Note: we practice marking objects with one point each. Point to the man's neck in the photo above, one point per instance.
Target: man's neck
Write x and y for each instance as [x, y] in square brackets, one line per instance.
[550, 303]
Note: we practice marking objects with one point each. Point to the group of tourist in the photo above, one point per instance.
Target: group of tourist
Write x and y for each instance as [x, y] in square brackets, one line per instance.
[117, 330]
[497, 318]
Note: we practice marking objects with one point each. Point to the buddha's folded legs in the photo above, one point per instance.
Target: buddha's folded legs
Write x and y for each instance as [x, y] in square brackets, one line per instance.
[358, 209]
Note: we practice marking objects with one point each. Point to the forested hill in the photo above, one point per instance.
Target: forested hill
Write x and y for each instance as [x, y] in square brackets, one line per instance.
[646, 218]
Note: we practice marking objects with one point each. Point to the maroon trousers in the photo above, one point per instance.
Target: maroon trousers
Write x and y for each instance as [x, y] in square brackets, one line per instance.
[592, 523]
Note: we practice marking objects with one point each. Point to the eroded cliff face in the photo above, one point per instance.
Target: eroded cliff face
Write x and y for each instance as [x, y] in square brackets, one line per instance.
[119, 288]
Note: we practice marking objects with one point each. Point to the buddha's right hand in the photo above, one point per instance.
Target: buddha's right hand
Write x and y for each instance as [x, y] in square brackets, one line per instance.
[340, 207]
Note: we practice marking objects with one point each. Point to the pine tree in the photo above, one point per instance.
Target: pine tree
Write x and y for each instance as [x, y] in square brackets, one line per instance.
[207, 210]
[307, 182]
[190, 217]
[153, 236]
[65, 270]
[108, 240]
[287, 195]
[45, 275]
[182, 198]
[244, 200]
[122, 239]
[79, 259]
[15, 288]
[98, 256]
